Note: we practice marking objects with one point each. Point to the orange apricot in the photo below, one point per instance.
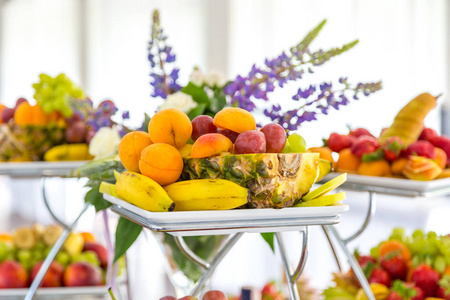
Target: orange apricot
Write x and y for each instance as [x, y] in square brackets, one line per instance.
[162, 163]
[170, 126]
[38, 116]
[130, 148]
[374, 168]
[235, 119]
[2, 107]
[87, 236]
[23, 114]
[347, 162]
[324, 152]
[5, 237]
[393, 246]
[441, 157]
[398, 165]
[210, 144]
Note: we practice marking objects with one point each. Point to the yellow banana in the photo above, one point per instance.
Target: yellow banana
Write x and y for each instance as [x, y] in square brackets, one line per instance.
[206, 194]
[68, 152]
[408, 123]
[143, 192]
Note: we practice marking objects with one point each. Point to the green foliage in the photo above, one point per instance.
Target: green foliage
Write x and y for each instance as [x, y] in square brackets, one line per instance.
[94, 197]
[126, 234]
[269, 238]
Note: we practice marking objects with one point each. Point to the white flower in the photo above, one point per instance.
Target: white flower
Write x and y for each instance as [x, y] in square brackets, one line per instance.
[197, 77]
[215, 78]
[105, 143]
[179, 100]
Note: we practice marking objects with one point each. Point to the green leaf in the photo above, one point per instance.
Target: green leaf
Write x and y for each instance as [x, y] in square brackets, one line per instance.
[126, 233]
[146, 121]
[268, 237]
[95, 198]
[304, 44]
[197, 111]
[197, 92]
[218, 102]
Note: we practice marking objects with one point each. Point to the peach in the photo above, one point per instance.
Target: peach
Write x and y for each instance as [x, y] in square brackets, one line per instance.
[12, 275]
[170, 126]
[53, 277]
[82, 274]
[441, 157]
[210, 144]
[398, 165]
[374, 168]
[130, 148]
[235, 119]
[2, 107]
[347, 162]
[162, 163]
[100, 250]
[421, 168]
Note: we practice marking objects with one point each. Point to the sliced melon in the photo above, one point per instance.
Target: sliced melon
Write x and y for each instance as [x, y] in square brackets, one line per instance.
[323, 200]
[326, 187]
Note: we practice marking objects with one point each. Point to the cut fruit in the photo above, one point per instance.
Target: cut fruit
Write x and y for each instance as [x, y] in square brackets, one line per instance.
[325, 188]
[323, 200]
[116, 175]
[109, 189]
[325, 167]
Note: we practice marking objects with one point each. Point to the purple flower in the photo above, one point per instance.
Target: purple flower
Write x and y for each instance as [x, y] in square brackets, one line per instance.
[126, 115]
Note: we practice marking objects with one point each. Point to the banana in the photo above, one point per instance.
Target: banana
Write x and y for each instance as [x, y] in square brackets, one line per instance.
[51, 234]
[23, 238]
[69, 152]
[206, 194]
[143, 192]
[408, 123]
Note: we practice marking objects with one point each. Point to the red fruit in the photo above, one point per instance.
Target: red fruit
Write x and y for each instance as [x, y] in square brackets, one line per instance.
[394, 296]
[396, 267]
[188, 298]
[275, 137]
[89, 136]
[252, 141]
[441, 293]
[214, 295]
[82, 274]
[337, 142]
[365, 259]
[76, 132]
[365, 144]
[168, 298]
[12, 275]
[20, 101]
[202, 125]
[229, 134]
[427, 134]
[442, 142]
[53, 277]
[419, 294]
[269, 289]
[7, 114]
[101, 251]
[360, 132]
[421, 148]
[380, 276]
[108, 107]
[427, 279]
[392, 148]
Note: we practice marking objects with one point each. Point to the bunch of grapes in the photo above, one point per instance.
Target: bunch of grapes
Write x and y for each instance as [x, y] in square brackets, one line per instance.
[56, 94]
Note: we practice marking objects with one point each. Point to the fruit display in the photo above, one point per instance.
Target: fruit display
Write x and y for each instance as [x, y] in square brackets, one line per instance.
[81, 262]
[262, 168]
[406, 149]
[412, 267]
[57, 127]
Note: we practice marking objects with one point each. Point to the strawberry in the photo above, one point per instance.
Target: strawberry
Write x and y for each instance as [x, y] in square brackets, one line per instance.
[394, 296]
[380, 276]
[360, 132]
[421, 148]
[443, 291]
[442, 142]
[269, 289]
[405, 291]
[427, 279]
[395, 266]
[427, 134]
[392, 148]
[365, 259]
[336, 142]
[365, 144]
[420, 295]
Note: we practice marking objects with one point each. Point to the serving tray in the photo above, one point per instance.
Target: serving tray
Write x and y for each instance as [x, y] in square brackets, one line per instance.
[38, 168]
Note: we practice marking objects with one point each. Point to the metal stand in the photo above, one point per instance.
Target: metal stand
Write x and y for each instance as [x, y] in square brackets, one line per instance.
[342, 243]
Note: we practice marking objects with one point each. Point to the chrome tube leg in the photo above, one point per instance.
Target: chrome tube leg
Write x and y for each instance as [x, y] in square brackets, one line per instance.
[215, 262]
[47, 205]
[51, 255]
[336, 258]
[370, 213]
[189, 253]
[352, 261]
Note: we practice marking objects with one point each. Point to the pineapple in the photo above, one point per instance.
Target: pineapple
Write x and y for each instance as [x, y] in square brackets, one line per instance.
[28, 143]
[274, 180]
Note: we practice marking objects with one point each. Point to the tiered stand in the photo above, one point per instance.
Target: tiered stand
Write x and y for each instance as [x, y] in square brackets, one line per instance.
[379, 185]
[43, 170]
[236, 223]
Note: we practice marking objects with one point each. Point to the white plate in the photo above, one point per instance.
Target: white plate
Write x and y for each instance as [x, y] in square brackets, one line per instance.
[55, 293]
[397, 186]
[38, 168]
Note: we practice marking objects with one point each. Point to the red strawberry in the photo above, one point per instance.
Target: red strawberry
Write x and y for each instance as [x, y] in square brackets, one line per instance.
[405, 291]
[443, 291]
[442, 142]
[394, 296]
[365, 144]
[365, 259]
[380, 276]
[427, 279]
[269, 289]
[392, 148]
[421, 148]
[427, 134]
[420, 295]
[395, 266]
[337, 142]
[360, 132]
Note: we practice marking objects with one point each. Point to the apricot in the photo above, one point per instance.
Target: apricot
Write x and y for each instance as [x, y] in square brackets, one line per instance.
[374, 168]
[348, 162]
[393, 246]
[23, 114]
[235, 119]
[2, 107]
[130, 148]
[170, 126]
[324, 152]
[441, 157]
[398, 165]
[38, 116]
[211, 144]
[162, 163]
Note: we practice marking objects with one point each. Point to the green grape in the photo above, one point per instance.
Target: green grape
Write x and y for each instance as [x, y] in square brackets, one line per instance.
[38, 254]
[439, 263]
[61, 78]
[46, 79]
[417, 234]
[375, 252]
[47, 107]
[63, 258]
[297, 143]
[87, 256]
[60, 91]
[40, 245]
[398, 232]
[432, 235]
[287, 148]
[36, 86]
[77, 93]
[47, 251]
[24, 256]
[5, 250]
[416, 261]
[46, 92]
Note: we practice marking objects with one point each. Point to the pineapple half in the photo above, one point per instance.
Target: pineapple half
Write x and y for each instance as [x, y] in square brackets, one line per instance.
[274, 180]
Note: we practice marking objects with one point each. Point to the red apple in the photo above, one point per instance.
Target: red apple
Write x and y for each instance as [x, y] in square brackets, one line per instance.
[53, 277]
[82, 274]
[12, 275]
[101, 251]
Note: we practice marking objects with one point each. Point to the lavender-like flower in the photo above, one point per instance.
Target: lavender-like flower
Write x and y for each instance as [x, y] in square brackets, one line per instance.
[160, 55]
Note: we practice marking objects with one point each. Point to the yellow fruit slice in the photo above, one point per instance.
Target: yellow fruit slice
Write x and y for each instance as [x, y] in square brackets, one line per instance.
[116, 175]
[109, 189]
[323, 200]
[326, 187]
